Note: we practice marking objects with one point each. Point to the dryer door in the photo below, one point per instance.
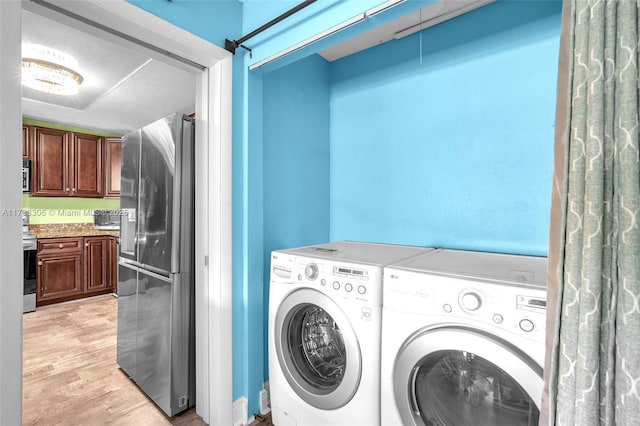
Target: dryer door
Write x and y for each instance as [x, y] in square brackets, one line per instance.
[317, 349]
[461, 376]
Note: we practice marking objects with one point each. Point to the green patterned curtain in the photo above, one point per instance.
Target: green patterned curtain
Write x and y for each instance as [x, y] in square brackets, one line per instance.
[592, 372]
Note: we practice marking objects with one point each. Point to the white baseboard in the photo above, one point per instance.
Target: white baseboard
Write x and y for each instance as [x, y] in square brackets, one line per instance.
[265, 400]
[240, 411]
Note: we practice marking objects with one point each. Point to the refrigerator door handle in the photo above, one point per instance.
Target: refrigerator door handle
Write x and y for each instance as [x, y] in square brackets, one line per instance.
[177, 198]
[146, 269]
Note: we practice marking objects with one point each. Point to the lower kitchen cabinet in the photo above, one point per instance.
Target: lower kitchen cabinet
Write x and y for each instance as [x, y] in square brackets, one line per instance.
[59, 277]
[96, 268]
[71, 268]
[112, 263]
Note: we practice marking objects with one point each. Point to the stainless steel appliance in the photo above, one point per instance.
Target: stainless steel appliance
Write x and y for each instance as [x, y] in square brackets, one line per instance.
[26, 175]
[106, 219]
[29, 244]
[155, 344]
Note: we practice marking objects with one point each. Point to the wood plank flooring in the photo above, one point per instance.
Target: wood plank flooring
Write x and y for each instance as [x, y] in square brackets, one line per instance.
[70, 375]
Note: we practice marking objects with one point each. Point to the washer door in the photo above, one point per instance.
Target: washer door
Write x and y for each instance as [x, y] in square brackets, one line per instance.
[460, 376]
[317, 349]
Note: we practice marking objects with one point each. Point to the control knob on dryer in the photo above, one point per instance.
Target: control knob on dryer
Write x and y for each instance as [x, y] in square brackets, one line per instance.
[311, 271]
[471, 301]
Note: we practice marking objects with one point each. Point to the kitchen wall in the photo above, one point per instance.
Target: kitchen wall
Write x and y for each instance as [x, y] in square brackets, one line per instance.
[45, 210]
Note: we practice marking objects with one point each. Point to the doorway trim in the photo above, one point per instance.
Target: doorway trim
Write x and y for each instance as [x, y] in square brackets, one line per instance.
[213, 237]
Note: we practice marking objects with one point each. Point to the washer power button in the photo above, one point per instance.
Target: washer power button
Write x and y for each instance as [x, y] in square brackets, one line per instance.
[526, 325]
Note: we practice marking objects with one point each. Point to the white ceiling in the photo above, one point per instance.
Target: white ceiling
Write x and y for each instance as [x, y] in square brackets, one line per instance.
[123, 89]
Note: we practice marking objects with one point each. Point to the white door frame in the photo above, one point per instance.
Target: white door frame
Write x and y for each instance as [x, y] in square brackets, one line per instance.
[213, 184]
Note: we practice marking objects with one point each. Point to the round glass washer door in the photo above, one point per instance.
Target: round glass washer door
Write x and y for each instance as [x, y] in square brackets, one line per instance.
[463, 377]
[317, 349]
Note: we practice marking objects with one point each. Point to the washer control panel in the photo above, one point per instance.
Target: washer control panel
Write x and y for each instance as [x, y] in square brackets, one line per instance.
[359, 282]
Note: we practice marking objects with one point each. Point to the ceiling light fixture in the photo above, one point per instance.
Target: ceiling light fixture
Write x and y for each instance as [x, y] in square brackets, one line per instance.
[49, 70]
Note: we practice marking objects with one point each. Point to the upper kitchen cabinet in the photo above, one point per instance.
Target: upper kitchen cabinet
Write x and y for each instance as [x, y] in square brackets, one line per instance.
[87, 163]
[67, 164]
[26, 142]
[113, 157]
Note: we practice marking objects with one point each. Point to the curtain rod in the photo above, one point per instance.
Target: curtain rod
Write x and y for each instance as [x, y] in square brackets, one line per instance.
[232, 45]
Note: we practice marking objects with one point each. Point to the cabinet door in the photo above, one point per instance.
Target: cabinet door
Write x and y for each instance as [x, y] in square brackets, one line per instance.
[96, 271]
[113, 149]
[112, 263]
[58, 276]
[26, 142]
[51, 162]
[86, 172]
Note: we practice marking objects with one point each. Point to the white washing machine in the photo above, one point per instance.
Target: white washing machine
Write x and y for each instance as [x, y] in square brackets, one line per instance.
[325, 307]
[463, 340]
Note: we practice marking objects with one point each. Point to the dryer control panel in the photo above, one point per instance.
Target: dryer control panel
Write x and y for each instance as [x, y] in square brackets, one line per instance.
[518, 309]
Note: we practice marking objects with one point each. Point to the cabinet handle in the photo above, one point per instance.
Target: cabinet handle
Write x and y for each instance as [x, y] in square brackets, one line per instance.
[40, 263]
[86, 244]
[67, 189]
[73, 190]
[60, 246]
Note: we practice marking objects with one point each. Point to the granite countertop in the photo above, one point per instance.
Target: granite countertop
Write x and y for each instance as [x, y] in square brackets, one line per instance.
[60, 230]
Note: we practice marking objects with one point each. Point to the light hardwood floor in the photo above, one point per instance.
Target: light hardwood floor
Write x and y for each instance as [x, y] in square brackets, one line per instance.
[70, 375]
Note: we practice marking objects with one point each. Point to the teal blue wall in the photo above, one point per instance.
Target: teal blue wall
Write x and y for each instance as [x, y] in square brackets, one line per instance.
[456, 142]
[296, 160]
[248, 277]
[212, 20]
[451, 145]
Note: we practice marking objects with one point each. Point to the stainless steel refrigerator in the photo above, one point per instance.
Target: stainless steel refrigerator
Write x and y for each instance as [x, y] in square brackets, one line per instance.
[155, 266]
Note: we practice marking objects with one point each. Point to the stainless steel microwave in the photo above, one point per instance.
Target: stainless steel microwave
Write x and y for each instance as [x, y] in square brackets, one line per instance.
[106, 219]
[26, 175]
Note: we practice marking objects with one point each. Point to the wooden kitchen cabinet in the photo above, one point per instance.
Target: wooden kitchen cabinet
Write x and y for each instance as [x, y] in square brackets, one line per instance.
[51, 162]
[75, 267]
[26, 142]
[67, 164]
[59, 273]
[87, 154]
[113, 158]
[96, 264]
[112, 263]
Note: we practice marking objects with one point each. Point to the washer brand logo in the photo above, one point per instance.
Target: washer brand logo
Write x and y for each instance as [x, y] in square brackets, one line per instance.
[366, 313]
[394, 277]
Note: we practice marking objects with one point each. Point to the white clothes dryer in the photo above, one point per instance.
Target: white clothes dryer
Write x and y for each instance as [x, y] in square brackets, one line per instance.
[463, 340]
[325, 307]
